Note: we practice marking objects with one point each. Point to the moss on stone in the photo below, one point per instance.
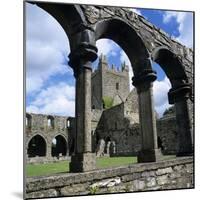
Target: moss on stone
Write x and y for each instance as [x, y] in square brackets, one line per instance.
[107, 102]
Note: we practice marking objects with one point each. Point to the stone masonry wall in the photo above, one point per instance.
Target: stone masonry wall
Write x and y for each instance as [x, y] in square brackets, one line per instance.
[163, 175]
[38, 125]
[151, 35]
[105, 81]
[166, 130]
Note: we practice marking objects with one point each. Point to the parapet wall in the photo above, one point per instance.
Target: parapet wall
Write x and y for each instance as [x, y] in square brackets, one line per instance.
[163, 175]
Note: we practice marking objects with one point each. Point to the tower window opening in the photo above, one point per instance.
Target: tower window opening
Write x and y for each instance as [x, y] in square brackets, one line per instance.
[117, 86]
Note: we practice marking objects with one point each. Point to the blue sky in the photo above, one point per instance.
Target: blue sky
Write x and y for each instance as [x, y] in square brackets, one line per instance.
[50, 85]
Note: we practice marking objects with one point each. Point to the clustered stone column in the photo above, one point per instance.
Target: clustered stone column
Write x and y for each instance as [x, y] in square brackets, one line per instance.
[81, 61]
[180, 96]
[144, 82]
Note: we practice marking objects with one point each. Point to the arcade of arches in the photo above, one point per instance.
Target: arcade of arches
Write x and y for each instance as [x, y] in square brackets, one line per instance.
[142, 43]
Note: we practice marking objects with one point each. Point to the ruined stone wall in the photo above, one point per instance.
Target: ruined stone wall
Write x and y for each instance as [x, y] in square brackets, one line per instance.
[37, 124]
[166, 130]
[121, 125]
[163, 175]
[151, 35]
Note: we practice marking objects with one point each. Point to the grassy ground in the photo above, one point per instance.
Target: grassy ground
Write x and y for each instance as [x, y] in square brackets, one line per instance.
[63, 166]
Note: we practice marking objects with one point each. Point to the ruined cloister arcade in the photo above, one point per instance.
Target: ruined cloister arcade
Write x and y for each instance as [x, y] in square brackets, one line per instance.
[143, 43]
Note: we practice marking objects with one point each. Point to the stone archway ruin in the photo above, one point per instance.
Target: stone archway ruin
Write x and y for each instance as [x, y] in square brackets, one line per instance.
[36, 146]
[142, 42]
[59, 148]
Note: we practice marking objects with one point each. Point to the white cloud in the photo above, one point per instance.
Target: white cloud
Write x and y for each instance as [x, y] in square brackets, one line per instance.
[107, 47]
[160, 94]
[59, 100]
[136, 11]
[185, 25]
[47, 48]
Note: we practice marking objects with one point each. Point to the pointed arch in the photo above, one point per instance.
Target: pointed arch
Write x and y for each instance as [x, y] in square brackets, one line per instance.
[37, 146]
[59, 148]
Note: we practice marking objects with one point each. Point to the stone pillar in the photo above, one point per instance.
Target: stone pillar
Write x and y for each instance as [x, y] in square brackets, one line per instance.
[81, 60]
[144, 83]
[180, 97]
[48, 150]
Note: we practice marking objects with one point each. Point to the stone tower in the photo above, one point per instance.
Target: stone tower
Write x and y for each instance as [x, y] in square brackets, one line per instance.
[109, 85]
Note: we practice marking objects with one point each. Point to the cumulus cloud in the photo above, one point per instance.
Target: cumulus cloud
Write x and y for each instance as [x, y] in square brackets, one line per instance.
[185, 25]
[59, 100]
[47, 48]
[160, 94]
[107, 47]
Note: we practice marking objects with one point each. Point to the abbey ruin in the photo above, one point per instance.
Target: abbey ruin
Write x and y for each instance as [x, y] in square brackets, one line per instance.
[109, 119]
[115, 127]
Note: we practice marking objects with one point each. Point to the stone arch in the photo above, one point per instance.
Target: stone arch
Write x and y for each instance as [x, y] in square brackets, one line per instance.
[37, 146]
[61, 147]
[70, 17]
[171, 65]
[179, 95]
[128, 39]
[126, 36]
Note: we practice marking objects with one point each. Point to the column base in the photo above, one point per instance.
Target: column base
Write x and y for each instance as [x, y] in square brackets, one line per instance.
[82, 162]
[149, 155]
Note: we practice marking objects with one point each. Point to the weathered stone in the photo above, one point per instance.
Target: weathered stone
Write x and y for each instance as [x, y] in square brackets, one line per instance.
[151, 182]
[87, 25]
[189, 168]
[106, 183]
[42, 194]
[80, 183]
[148, 173]
[139, 185]
[164, 171]
[162, 179]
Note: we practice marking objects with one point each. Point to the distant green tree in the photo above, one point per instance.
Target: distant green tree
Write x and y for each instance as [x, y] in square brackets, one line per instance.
[107, 102]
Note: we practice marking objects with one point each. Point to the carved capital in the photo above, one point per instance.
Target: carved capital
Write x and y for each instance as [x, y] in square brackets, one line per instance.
[144, 80]
[82, 56]
[179, 93]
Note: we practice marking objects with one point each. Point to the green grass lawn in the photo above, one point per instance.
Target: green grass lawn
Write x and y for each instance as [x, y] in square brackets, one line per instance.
[63, 166]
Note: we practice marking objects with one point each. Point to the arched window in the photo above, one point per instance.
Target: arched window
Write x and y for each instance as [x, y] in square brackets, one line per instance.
[28, 120]
[68, 123]
[50, 121]
[117, 86]
[59, 146]
[37, 146]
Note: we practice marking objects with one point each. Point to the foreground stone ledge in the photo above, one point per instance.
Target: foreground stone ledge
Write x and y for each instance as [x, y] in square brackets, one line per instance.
[168, 174]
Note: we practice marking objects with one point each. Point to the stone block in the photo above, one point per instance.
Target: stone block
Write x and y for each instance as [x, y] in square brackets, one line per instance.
[148, 173]
[42, 194]
[189, 168]
[139, 185]
[162, 180]
[151, 182]
[164, 171]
